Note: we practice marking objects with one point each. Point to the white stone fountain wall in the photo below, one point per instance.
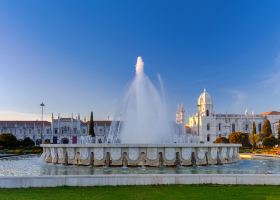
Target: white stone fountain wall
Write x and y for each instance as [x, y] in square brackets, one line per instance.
[141, 155]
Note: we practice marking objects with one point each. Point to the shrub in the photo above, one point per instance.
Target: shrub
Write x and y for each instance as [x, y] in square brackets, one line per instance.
[270, 141]
[27, 142]
[8, 140]
[220, 140]
[240, 138]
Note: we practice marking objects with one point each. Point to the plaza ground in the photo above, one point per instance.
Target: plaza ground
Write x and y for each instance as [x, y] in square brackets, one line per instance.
[191, 192]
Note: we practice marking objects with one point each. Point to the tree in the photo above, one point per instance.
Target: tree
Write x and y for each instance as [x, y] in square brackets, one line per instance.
[27, 142]
[254, 137]
[222, 140]
[8, 140]
[270, 141]
[240, 138]
[266, 129]
[91, 126]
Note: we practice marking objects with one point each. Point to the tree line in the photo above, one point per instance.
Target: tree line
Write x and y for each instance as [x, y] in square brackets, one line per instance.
[265, 138]
[8, 140]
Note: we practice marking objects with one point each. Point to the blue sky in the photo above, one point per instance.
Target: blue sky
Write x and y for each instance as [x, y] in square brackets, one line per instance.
[79, 56]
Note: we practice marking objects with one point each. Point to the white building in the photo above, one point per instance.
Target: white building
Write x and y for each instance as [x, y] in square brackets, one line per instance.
[208, 125]
[68, 129]
[23, 129]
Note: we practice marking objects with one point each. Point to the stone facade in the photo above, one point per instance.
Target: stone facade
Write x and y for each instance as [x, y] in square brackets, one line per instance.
[207, 125]
[141, 155]
[23, 129]
[58, 130]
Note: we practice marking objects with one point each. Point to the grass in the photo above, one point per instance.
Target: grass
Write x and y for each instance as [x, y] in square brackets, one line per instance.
[190, 192]
[22, 150]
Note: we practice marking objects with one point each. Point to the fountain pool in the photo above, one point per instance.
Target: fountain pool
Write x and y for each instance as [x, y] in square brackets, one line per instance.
[30, 165]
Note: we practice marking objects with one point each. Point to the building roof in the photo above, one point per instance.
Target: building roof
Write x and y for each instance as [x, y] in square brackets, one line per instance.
[24, 123]
[271, 113]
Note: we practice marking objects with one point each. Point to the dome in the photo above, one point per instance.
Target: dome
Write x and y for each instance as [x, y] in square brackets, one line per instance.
[204, 98]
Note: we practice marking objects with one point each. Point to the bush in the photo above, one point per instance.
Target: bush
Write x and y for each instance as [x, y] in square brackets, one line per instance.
[27, 142]
[240, 138]
[8, 140]
[270, 141]
[220, 140]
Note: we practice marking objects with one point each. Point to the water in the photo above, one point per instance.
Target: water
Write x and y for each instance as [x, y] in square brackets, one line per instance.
[143, 113]
[30, 165]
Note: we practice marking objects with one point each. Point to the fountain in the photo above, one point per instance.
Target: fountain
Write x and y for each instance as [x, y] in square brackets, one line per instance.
[143, 114]
[141, 135]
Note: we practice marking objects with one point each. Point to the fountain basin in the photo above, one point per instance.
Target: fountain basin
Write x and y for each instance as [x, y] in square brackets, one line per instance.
[155, 155]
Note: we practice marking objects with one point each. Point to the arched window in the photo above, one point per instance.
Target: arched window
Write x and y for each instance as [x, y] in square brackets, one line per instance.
[208, 137]
[208, 127]
[233, 128]
[207, 113]
[260, 127]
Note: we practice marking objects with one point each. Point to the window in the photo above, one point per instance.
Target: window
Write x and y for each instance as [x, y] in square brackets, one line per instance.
[208, 127]
[55, 131]
[208, 138]
[233, 128]
[220, 126]
[207, 113]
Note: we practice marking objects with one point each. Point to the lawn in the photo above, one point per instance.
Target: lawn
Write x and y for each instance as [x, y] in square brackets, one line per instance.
[145, 192]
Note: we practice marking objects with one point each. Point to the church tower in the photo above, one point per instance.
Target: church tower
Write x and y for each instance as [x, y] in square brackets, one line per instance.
[180, 115]
[205, 117]
[205, 104]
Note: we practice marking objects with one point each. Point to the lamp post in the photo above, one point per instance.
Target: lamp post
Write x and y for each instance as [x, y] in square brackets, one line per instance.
[42, 127]
[198, 118]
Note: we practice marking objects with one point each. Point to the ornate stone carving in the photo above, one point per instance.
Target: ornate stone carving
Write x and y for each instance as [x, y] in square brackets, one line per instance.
[99, 153]
[84, 153]
[60, 153]
[47, 153]
[152, 153]
[186, 153]
[201, 154]
[235, 152]
[53, 152]
[230, 153]
[133, 154]
[116, 153]
[71, 153]
[224, 153]
[214, 152]
[170, 153]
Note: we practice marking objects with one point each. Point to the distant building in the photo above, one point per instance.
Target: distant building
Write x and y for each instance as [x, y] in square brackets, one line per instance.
[24, 129]
[208, 125]
[68, 129]
[58, 130]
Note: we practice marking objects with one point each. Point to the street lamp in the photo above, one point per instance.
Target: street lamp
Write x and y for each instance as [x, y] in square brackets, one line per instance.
[198, 120]
[42, 127]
